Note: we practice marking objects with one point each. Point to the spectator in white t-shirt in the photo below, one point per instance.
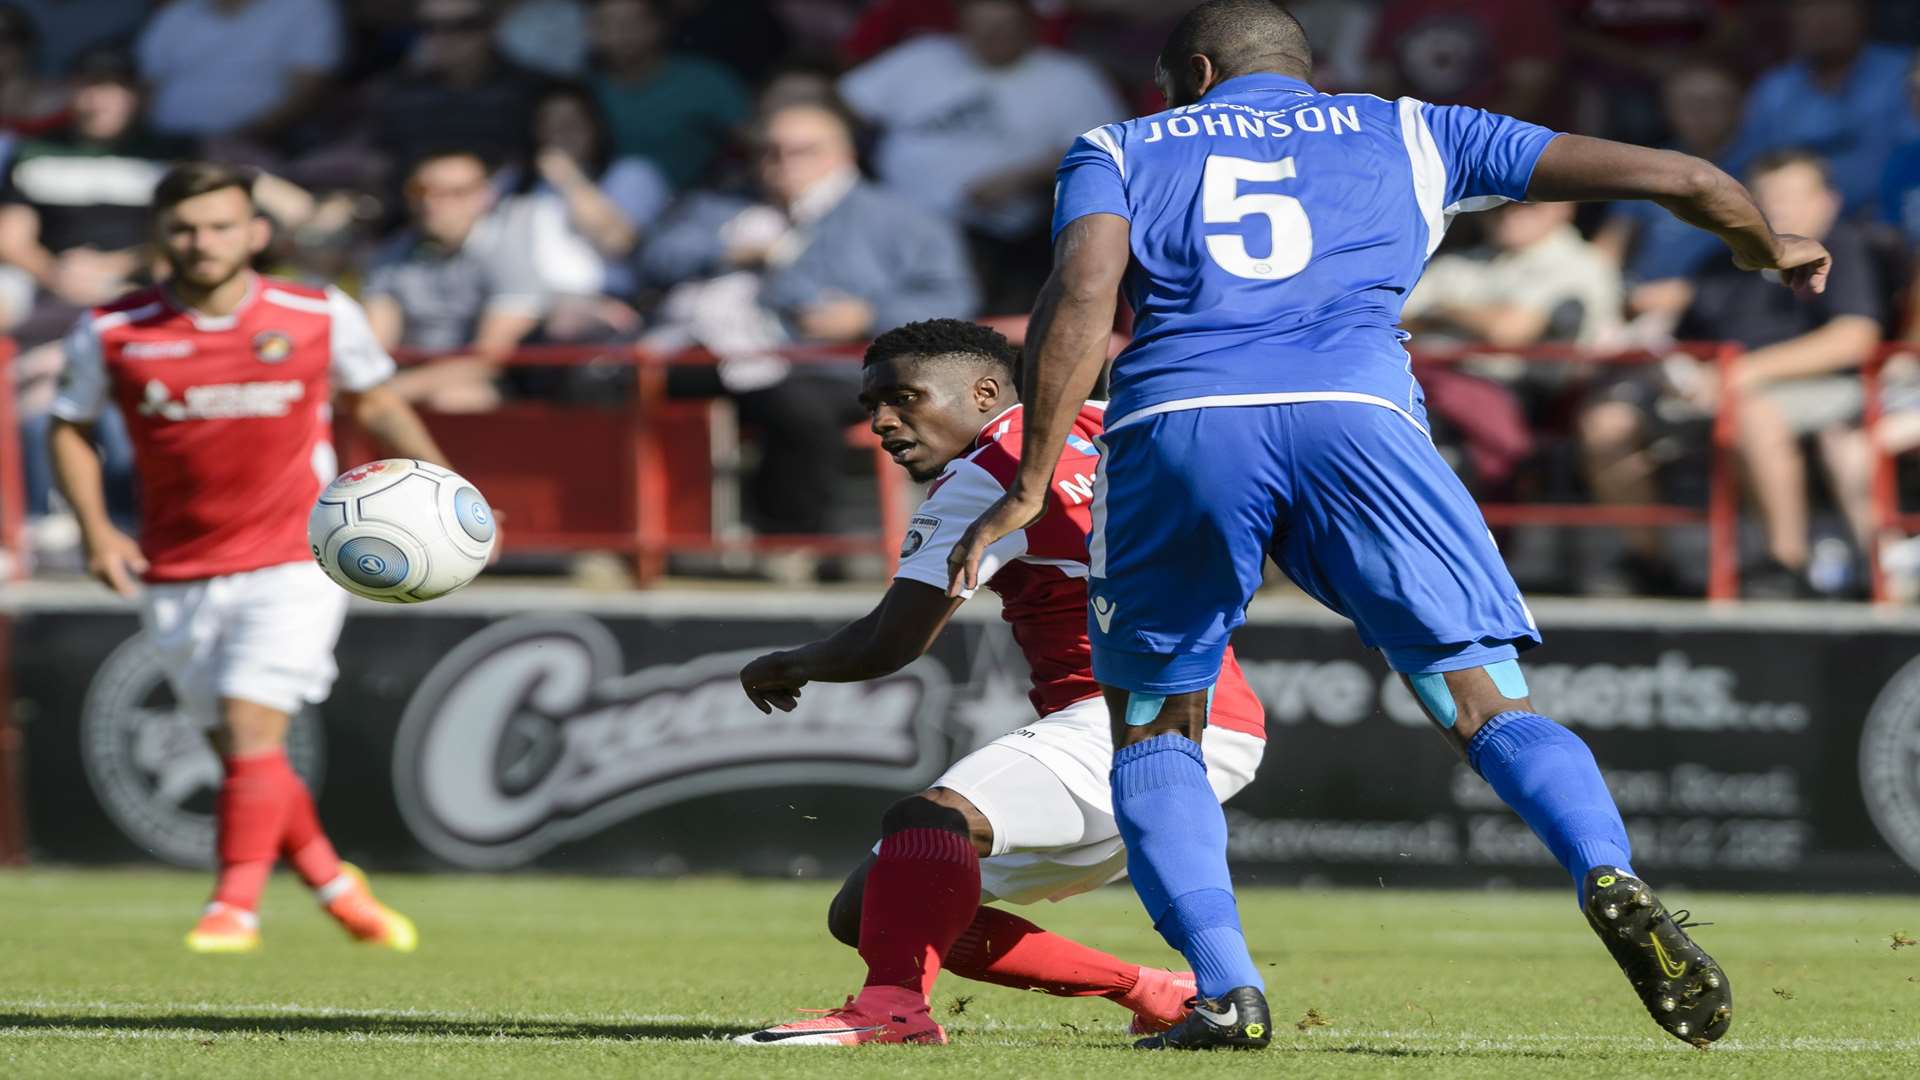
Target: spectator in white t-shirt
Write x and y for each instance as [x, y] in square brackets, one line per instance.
[972, 125]
[245, 68]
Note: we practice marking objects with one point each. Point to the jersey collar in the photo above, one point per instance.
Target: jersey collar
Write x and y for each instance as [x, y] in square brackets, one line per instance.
[213, 323]
[990, 430]
[1258, 81]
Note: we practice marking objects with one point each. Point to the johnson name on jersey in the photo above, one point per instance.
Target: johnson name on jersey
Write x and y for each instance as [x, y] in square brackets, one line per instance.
[1276, 232]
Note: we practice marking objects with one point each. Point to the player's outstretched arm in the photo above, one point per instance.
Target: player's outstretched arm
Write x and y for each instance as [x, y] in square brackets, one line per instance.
[387, 416]
[1066, 345]
[891, 636]
[1576, 168]
[113, 557]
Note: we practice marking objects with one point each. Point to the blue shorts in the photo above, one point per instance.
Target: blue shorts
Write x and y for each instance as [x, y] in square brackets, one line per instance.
[1351, 500]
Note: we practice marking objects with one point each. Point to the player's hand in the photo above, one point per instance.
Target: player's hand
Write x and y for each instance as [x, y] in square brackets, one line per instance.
[771, 683]
[114, 559]
[1013, 512]
[1798, 262]
[558, 168]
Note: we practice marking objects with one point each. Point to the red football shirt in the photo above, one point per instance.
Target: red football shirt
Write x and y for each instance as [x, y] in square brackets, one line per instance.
[1041, 572]
[228, 415]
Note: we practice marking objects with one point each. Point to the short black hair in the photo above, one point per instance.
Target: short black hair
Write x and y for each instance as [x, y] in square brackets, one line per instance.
[944, 339]
[1241, 36]
[432, 152]
[192, 179]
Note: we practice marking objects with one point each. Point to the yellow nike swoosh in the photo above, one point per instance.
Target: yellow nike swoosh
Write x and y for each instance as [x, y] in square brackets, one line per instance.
[1673, 968]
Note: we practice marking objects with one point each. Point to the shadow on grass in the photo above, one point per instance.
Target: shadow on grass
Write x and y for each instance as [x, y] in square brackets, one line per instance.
[362, 1024]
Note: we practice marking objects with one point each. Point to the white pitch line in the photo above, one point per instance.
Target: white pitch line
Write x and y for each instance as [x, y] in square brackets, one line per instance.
[1464, 1040]
[369, 1012]
[406, 1037]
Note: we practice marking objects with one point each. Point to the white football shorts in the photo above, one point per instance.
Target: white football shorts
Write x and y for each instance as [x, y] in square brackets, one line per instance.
[1044, 787]
[264, 636]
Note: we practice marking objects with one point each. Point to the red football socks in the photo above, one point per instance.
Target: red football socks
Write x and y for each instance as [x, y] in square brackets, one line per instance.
[251, 813]
[303, 842]
[1007, 950]
[922, 892]
[265, 811]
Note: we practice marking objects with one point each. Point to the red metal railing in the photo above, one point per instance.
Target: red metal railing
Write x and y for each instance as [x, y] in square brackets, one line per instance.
[1722, 513]
[637, 477]
[635, 480]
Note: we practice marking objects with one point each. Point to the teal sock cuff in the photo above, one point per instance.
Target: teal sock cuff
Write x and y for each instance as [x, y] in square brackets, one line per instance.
[1143, 709]
[1431, 689]
[1508, 679]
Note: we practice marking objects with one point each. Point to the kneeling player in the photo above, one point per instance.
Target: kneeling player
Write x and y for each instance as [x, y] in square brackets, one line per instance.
[1029, 816]
[226, 380]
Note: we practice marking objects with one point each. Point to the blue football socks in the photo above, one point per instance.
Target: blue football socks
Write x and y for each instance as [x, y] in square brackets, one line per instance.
[1548, 776]
[1176, 840]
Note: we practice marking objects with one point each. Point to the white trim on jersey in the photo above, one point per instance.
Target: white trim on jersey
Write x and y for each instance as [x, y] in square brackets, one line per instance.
[121, 318]
[358, 361]
[297, 302]
[83, 376]
[1223, 401]
[1430, 175]
[1104, 139]
[1429, 170]
[1097, 535]
[935, 528]
[1069, 567]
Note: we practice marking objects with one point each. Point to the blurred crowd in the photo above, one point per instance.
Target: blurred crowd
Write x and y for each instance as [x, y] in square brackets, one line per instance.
[753, 175]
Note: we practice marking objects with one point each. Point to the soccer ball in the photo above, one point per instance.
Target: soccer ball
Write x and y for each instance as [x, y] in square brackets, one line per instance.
[401, 531]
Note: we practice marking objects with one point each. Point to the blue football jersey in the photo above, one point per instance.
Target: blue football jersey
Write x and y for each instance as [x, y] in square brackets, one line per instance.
[1276, 232]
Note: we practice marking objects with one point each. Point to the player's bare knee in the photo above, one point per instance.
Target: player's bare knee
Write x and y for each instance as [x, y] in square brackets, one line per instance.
[1461, 702]
[1136, 717]
[940, 808]
[248, 727]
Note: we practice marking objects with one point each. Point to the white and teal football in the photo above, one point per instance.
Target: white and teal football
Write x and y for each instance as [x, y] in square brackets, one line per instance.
[401, 531]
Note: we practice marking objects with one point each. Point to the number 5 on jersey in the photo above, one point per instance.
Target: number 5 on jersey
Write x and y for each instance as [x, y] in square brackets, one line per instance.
[1221, 203]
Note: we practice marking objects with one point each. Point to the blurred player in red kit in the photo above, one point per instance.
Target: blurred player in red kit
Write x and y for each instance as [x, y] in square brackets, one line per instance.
[1029, 816]
[227, 381]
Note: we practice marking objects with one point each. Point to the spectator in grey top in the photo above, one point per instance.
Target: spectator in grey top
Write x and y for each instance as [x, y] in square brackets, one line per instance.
[831, 258]
[447, 283]
[822, 257]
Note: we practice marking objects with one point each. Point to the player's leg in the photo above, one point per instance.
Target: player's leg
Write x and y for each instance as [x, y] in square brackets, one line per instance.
[1178, 545]
[914, 897]
[1048, 784]
[182, 625]
[276, 655]
[249, 815]
[1549, 777]
[1385, 533]
[1007, 950]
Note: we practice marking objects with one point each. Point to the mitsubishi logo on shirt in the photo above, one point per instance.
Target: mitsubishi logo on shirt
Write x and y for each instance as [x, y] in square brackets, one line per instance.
[221, 401]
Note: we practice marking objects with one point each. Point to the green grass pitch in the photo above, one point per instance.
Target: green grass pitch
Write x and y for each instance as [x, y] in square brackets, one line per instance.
[537, 976]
